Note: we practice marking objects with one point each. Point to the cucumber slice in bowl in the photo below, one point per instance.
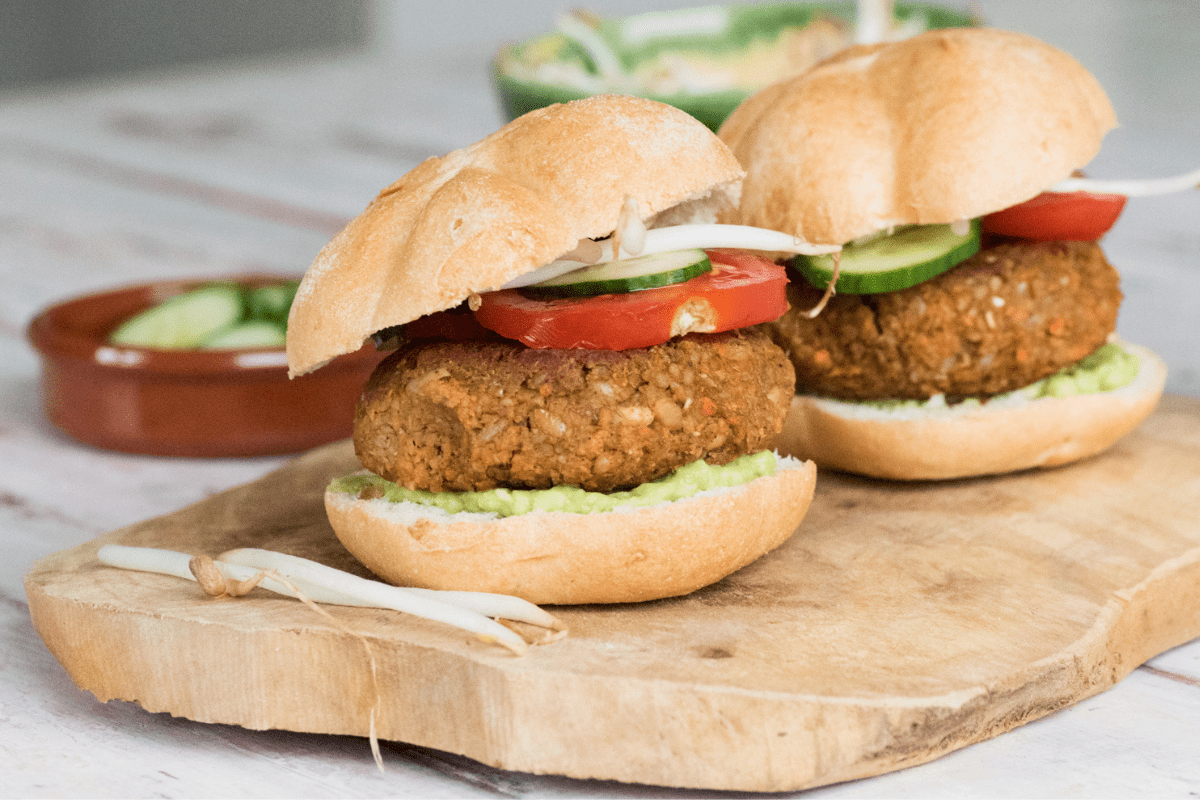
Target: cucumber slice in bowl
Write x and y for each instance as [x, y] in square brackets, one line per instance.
[246, 335]
[895, 262]
[625, 275]
[183, 321]
[272, 301]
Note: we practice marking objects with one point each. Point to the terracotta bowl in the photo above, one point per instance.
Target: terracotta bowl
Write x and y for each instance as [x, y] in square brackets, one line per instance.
[185, 402]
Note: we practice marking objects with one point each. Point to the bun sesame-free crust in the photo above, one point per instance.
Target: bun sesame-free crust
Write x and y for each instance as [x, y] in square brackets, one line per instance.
[476, 218]
[948, 125]
[623, 556]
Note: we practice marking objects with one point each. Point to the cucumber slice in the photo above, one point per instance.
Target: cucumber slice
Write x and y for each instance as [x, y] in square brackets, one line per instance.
[625, 275]
[257, 333]
[895, 262]
[271, 302]
[183, 321]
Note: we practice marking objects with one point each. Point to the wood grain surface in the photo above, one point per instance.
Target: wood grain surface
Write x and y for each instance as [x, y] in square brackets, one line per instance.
[901, 622]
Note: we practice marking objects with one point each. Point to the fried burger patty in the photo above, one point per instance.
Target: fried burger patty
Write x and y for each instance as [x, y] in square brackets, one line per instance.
[480, 415]
[1010, 315]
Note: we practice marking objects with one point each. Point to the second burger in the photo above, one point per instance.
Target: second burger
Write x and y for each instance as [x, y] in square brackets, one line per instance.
[972, 330]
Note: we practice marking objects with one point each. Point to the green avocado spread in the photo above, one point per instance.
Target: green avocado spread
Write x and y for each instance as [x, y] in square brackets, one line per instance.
[686, 481]
[1109, 367]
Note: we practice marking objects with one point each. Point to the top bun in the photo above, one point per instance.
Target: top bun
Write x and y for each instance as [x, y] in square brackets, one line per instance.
[478, 217]
[948, 125]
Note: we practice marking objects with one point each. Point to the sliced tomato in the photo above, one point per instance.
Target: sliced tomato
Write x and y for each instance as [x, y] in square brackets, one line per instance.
[1055, 216]
[740, 290]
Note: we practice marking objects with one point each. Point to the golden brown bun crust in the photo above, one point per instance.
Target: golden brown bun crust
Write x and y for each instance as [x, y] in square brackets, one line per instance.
[991, 440]
[476, 218]
[947, 125]
[558, 558]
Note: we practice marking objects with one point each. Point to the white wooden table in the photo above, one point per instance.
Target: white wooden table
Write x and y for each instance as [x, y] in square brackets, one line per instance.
[255, 168]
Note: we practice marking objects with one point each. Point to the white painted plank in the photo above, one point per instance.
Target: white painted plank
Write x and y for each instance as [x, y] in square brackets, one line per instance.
[1136, 740]
[350, 131]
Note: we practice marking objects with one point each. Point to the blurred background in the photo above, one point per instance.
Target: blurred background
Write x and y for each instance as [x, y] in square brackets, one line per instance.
[51, 45]
[73, 40]
[80, 40]
[86, 41]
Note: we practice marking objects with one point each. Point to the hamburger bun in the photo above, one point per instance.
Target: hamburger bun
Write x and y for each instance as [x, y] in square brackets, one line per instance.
[934, 442]
[945, 126]
[470, 221]
[621, 556]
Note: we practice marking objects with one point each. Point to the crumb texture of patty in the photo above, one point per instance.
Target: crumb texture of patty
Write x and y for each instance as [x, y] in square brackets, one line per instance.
[1012, 314]
[473, 416]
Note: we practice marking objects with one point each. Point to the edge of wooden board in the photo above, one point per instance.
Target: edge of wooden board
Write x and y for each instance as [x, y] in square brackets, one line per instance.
[295, 671]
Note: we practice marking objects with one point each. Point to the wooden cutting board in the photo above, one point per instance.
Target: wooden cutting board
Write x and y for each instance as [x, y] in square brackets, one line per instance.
[901, 622]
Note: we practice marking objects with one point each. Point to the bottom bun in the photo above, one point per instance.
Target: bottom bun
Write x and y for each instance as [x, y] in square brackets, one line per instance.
[620, 556]
[1002, 435]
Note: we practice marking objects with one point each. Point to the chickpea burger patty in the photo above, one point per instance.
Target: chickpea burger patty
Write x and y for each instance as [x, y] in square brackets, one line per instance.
[1008, 316]
[472, 416]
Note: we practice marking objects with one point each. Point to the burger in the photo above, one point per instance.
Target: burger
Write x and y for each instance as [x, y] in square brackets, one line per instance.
[967, 325]
[579, 404]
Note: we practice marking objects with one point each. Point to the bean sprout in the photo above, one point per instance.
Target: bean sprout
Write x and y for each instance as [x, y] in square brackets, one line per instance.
[1132, 187]
[830, 290]
[683, 237]
[359, 591]
[309, 580]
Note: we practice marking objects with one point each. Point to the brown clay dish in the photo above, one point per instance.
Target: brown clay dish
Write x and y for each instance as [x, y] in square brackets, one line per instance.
[184, 402]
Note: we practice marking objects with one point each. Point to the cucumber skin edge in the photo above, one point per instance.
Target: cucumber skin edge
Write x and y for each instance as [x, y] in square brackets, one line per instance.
[851, 283]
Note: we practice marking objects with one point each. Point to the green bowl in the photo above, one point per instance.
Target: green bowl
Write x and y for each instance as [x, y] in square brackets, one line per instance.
[683, 57]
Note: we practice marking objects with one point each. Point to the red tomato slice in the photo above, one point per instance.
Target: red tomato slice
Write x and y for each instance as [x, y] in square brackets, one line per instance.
[1055, 216]
[740, 290]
